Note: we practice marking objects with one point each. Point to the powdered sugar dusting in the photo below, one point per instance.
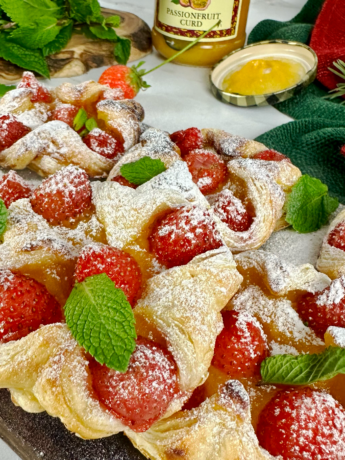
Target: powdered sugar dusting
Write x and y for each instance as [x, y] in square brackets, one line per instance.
[334, 294]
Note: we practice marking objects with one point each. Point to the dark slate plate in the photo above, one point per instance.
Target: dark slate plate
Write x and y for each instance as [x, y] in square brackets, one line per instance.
[39, 436]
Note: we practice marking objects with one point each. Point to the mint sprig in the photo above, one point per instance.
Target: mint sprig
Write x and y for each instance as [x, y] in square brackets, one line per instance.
[3, 217]
[5, 88]
[101, 320]
[303, 369]
[142, 170]
[309, 205]
[81, 121]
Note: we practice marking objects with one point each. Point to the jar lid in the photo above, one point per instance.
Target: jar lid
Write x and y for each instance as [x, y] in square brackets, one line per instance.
[283, 49]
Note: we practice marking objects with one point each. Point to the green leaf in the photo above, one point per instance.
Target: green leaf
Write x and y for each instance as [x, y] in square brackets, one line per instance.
[80, 119]
[25, 58]
[4, 89]
[101, 320]
[84, 10]
[309, 205]
[142, 170]
[24, 12]
[113, 21]
[60, 42]
[104, 34]
[3, 217]
[35, 35]
[91, 124]
[303, 369]
[122, 50]
[177, 2]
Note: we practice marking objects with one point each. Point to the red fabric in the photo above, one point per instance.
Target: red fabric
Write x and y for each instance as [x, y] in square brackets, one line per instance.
[328, 40]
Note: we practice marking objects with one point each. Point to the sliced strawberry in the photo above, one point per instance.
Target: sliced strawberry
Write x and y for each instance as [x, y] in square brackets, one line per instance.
[11, 130]
[336, 237]
[25, 305]
[104, 144]
[39, 92]
[13, 188]
[64, 195]
[183, 234]
[241, 346]
[208, 170]
[65, 113]
[187, 140]
[271, 155]
[121, 268]
[325, 308]
[231, 211]
[303, 424]
[121, 180]
[140, 396]
[123, 77]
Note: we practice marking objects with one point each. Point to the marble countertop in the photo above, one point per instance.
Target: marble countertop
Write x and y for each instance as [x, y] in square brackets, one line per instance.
[180, 97]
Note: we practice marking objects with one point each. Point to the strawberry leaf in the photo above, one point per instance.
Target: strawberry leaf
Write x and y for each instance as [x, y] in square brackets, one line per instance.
[142, 170]
[3, 217]
[80, 119]
[122, 50]
[101, 320]
[60, 41]
[4, 89]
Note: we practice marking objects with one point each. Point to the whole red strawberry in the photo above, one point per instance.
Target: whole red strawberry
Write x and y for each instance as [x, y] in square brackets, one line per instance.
[336, 237]
[65, 113]
[231, 211]
[121, 268]
[183, 234]
[241, 346]
[121, 180]
[11, 130]
[13, 188]
[64, 195]
[102, 143]
[142, 394]
[271, 155]
[39, 92]
[129, 79]
[303, 424]
[25, 305]
[325, 308]
[187, 140]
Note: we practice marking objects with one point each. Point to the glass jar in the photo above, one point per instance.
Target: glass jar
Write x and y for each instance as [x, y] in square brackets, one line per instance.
[178, 22]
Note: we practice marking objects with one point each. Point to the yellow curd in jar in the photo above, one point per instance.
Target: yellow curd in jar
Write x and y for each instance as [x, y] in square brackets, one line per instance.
[264, 76]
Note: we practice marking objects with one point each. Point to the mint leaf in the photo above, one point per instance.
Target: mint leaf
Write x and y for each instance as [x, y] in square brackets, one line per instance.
[35, 35]
[4, 89]
[113, 21]
[80, 119]
[303, 369]
[84, 10]
[309, 205]
[101, 320]
[122, 50]
[24, 12]
[177, 2]
[91, 124]
[104, 34]
[25, 58]
[60, 41]
[142, 170]
[3, 217]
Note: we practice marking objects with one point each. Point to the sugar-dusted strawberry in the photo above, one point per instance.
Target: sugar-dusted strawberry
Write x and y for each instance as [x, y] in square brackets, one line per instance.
[102, 143]
[336, 237]
[65, 113]
[121, 268]
[208, 170]
[325, 308]
[140, 396]
[64, 195]
[183, 234]
[303, 424]
[187, 140]
[271, 155]
[241, 346]
[231, 210]
[13, 188]
[39, 92]
[11, 130]
[25, 305]
[121, 180]
[129, 79]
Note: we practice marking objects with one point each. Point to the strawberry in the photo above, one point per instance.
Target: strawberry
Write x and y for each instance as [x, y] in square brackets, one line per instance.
[39, 92]
[11, 130]
[241, 346]
[64, 195]
[342, 150]
[13, 188]
[129, 79]
[231, 211]
[25, 305]
[325, 308]
[336, 237]
[183, 234]
[187, 140]
[104, 144]
[121, 180]
[301, 424]
[121, 268]
[208, 170]
[65, 113]
[142, 394]
[271, 155]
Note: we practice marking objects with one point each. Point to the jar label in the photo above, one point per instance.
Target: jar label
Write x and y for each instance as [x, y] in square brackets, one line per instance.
[188, 19]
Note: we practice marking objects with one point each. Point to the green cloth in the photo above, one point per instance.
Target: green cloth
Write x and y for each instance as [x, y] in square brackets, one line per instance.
[313, 141]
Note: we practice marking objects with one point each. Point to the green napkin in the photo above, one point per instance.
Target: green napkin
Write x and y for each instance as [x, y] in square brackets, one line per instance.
[312, 142]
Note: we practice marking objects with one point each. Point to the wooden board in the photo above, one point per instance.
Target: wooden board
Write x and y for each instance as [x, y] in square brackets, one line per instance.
[82, 54]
